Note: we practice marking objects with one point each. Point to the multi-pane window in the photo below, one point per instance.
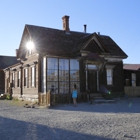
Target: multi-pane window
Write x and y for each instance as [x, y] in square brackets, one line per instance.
[52, 74]
[109, 73]
[33, 76]
[18, 78]
[43, 85]
[63, 76]
[13, 79]
[25, 77]
[133, 79]
[74, 73]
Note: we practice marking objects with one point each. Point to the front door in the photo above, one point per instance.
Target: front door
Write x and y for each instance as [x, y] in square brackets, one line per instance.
[92, 81]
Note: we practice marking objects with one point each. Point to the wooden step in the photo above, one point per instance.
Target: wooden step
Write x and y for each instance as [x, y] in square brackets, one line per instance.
[97, 98]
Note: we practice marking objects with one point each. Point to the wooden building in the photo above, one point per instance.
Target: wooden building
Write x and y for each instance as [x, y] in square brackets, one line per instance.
[56, 59]
[131, 74]
[5, 61]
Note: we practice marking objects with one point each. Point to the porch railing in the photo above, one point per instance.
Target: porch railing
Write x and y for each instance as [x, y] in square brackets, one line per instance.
[48, 99]
[44, 99]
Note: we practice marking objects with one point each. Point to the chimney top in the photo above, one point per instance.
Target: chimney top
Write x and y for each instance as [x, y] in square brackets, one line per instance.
[85, 28]
[98, 33]
[17, 52]
[65, 20]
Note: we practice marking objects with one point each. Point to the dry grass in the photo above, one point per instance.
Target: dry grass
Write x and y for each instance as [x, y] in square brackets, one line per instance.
[15, 102]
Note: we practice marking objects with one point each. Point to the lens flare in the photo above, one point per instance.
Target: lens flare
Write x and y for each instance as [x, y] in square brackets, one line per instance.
[130, 104]
[30, 45]
[109, 92]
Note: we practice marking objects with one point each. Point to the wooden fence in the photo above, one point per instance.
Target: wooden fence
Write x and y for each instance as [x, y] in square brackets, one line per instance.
[45, 99]
[132, 91]
[48, 99]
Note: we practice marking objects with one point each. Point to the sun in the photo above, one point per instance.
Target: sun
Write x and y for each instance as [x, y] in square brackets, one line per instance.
[30, 45]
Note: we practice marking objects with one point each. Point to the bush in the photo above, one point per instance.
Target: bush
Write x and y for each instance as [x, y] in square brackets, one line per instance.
[8, 97]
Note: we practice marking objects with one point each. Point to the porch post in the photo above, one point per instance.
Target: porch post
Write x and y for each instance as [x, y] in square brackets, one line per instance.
[97, 80]
[9, 90]
[21, 82]
[86, 77]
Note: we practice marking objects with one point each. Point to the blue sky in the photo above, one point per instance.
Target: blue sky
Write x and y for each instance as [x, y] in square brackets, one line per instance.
[120, 19]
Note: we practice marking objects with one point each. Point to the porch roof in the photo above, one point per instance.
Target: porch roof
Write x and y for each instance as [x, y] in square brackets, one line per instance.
[6, 61]
[93, 57]
[131, 67]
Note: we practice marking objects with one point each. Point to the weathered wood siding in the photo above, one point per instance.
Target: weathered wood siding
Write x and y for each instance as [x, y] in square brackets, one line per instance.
[128, 77]
[45, 99]
[118, 81]
[132, 91]
[2, 83]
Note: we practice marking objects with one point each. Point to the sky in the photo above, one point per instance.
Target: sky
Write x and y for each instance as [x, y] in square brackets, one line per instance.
[119, 19]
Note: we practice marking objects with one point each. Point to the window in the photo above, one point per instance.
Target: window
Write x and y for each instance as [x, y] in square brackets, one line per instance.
[133, 79]
[91, 67]
[18, 78]
[52, 74]
[63, 73]
[25, 77]
[30, 51]
[43, 85]
[13, 79]
[33, 76]
[109, 76]
[74, 73]
[30, 47]
[63, 76]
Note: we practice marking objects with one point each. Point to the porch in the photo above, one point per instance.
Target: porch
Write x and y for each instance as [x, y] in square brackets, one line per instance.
[49, 99]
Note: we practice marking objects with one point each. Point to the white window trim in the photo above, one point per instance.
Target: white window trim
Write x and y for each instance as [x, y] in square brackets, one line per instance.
[133, 79]
[109, 84]
[13, 79]
[26, 77]
[33, 76]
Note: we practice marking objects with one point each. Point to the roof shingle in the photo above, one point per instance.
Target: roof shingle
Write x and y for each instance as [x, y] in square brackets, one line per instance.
[59, 42]
[131, 66]
[6, 61]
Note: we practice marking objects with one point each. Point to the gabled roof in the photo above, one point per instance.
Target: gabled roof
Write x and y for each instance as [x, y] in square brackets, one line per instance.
[58, 42]
[6, 61]
[134, 67]
[54, 41]
[90, 40]
[113, 48]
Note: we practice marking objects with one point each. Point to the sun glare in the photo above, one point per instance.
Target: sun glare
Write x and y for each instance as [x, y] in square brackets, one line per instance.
[30, 45]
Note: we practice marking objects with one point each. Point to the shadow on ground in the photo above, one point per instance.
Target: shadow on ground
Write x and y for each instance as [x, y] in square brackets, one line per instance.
[11, 129]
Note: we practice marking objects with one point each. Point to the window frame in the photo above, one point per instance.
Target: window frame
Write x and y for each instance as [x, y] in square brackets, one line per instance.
[52, 74]
[109, 76]
[64, 75]
[18, 78]
[13, 79]
[26, 77]
[33, 78]
[133, 79]
[63, 85]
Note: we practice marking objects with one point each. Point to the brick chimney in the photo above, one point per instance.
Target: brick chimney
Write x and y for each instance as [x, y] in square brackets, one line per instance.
[66, 23]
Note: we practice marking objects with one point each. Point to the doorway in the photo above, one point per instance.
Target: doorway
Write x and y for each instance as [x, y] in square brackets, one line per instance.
[92, 81]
